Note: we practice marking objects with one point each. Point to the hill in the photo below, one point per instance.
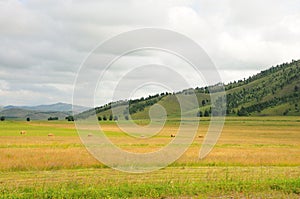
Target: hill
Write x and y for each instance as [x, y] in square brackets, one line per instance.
[272, 92]
[22, 114]
[61, 107]
[41, 112]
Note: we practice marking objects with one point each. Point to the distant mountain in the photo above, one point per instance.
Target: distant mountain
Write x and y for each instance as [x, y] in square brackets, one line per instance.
[272, 92]
[22, 114]
[59, 107]
[41, 112]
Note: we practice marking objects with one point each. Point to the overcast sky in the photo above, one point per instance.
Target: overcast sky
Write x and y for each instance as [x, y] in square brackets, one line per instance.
[43, 43]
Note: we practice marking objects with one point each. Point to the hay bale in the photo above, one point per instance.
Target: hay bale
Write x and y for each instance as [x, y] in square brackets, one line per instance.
[172, 135]
[50, 135]
[90, 135]
[23, 132]
[200, 136]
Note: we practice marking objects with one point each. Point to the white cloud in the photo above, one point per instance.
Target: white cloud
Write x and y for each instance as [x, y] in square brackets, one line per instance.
[43, 43]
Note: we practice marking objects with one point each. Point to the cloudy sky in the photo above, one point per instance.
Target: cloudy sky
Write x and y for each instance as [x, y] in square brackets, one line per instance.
[43, 43]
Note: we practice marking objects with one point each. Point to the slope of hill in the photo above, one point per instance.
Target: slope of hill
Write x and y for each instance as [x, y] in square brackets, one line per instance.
[272, 92]
[275, 91]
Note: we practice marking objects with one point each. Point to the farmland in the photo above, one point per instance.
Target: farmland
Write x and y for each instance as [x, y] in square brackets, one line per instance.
[254, 157]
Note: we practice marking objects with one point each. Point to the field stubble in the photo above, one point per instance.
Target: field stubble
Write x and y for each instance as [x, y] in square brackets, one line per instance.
[252, 156]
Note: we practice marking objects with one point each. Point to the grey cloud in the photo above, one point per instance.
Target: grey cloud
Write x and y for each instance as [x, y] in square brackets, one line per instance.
[43, 43]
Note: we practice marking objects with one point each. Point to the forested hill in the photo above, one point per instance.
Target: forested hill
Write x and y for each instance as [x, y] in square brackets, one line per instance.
[275, 91]
[272, 92]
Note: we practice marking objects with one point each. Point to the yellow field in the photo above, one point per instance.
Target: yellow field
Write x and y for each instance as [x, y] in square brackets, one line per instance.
[248, 142]
[249, 150]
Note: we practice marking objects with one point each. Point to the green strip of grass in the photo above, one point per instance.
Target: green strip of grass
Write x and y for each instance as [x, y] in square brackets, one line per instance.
[275, 188]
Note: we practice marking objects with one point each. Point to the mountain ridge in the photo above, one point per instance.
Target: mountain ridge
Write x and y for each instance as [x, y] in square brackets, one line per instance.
[59, 106]
[272, 92]
[41, 112]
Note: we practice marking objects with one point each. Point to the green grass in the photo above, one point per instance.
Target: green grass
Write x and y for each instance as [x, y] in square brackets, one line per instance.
[280, 109]
[171, 182]
[36, 128]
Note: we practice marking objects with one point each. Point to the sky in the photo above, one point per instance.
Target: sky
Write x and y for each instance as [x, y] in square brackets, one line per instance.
[44, 43]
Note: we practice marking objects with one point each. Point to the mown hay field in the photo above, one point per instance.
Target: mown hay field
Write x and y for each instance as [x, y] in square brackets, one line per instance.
[255, 157]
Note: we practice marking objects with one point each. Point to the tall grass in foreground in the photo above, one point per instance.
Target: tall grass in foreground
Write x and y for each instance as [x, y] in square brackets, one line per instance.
[250, 182]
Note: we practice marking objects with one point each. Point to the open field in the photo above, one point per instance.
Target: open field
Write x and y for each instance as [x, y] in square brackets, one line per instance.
[255, 157]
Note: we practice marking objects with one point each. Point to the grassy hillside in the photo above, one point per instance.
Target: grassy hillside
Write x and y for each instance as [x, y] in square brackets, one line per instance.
[272, 92]
[275, 91]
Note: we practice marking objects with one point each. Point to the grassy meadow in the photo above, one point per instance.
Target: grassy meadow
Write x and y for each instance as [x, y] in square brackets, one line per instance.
[255, 157]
